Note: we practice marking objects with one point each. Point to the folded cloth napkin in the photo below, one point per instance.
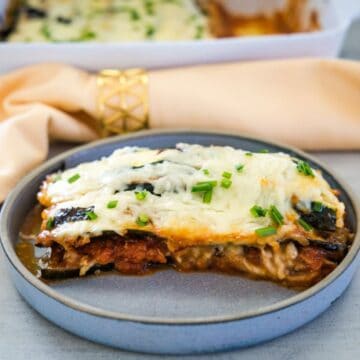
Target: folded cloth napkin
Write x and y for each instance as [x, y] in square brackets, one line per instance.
[309, 103]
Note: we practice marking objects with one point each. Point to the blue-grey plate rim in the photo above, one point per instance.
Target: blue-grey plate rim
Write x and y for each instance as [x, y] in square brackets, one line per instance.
[78, 306]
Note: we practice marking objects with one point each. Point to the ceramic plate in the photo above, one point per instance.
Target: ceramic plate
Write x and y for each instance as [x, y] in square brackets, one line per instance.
[170, 312]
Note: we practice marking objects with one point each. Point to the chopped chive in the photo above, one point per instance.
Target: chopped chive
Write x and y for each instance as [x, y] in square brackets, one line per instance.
[239, 168]
[317, 206]
[86, 35]
[50, 223]
[140, 195]
[207, 197]
[248, 154]
[206, 187]
[73, 178]
[134, 14]
[226, 183]
[150, 31]
[211, 182]
[266, 231]
[206, 172]
[90, 215]
[305, 225]
[263, 151]
[203, 186]
[45, 31]
[149, 7]
[112, 204]
[258, 211]
[142, 220]
[227, 174]
[191, 18]
[276, 215]
[199, 32]
[304, 168]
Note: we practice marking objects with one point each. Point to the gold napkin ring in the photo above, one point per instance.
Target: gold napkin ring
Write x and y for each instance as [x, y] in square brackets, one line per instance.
[123, 101]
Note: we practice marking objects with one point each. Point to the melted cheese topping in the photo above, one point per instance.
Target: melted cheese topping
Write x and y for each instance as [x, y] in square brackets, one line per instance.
[111, 20]
[177, 213]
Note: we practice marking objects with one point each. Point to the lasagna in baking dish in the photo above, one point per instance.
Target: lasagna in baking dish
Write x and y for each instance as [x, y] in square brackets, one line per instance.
[138, 20]
[265, 215]
[108, 20]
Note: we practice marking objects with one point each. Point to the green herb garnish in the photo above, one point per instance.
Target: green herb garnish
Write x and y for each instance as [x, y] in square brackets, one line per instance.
[248, 154]
[45, 31]
[206, 171]
[149, 7]
[50, 223]
[142, 220]
[199, 32]
[73, 178]
[226, 183]
[192, 18]
[258, 211]
[207, 197]
[134, 15]
[150, 31]
[227, 175]
[304, 168]
[91, 215]
[239, 168]
[204, 186]
[276, 215]
[266, 231]
[112, 204]
[317, 206]
[87, 35]
[141, 195]
[305, 225]
[264, 151]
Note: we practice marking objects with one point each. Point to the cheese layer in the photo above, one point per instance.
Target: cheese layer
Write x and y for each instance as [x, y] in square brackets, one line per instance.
[172, 209]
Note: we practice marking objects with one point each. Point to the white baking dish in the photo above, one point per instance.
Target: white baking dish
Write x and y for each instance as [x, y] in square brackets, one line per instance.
[335, 17]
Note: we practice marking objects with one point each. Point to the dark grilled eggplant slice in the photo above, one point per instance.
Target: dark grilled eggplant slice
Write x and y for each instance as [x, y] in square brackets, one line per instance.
[329, 246]
[33, 12]
[336, 243]
[71, 215]
[140, 187]
[319, 217]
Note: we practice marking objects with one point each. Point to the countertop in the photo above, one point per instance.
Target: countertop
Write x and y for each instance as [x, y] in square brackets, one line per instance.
[24, 334]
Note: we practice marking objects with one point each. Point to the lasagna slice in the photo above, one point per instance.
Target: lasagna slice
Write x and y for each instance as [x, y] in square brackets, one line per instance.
[265, 215]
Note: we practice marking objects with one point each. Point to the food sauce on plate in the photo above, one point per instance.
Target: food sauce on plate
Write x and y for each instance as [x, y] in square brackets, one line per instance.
[25, 248]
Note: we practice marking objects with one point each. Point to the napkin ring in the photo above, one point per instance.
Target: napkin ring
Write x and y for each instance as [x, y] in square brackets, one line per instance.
[123, 101]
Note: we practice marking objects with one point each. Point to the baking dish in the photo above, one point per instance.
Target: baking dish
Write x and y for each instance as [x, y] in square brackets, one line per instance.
[335, 17]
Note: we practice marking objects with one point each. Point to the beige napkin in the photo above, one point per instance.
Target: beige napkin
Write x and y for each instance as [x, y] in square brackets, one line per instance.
[312, 104]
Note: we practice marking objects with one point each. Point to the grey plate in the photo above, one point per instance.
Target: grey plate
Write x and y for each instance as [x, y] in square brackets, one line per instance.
[170, 312]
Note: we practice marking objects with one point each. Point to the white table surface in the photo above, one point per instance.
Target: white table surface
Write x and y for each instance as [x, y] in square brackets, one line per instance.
[24, 334]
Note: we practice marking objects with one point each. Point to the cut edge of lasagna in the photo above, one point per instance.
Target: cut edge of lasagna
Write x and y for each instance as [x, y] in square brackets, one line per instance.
[194, 208]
